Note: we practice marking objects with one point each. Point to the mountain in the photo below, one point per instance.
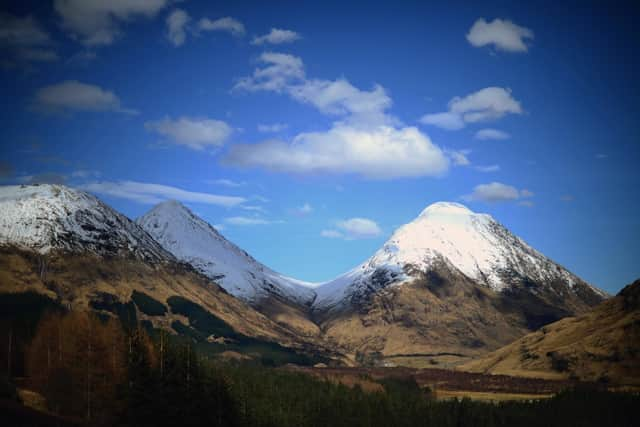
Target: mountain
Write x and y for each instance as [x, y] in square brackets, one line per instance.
[601, 345]
[192, 240]
[475, 244]
[81, 254]
[54, 217]
[448, 286]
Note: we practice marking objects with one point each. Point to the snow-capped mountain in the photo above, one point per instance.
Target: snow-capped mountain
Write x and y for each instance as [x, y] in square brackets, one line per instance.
[193, 240]
[54, 217]
[477, 245]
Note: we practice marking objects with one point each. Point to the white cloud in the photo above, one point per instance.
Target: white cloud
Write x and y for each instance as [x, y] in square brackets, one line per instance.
[25, 40]
[277, 36]
[272, 128]
[279, 71]
[176, 23]
[305, 209]
[243, 220]
[485, 134]
[97, 22]
[490, 103]
[459, 157]
[331, 234]
[488, 168]
[227, 182]
[447, 120]
[149, 193]
[382, 152]
[226, 24]
[502, 34]
[72, 95]
[366, 141]
[284, 73]
[340, 97]
[253, 208]
[486, 104]
[195, 133]
[601, 156]
[496, 192]
[356, 228]
[526, 203]
[567, 198]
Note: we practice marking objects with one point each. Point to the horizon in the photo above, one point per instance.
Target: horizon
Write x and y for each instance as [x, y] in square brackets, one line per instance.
[280, 123]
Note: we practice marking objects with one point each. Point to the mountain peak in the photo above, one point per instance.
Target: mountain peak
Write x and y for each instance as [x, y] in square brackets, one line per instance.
[55, 217]
[193, 240]
[446, 208]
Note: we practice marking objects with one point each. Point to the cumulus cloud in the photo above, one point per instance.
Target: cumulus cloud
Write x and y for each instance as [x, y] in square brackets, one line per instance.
[150, 193]
[366, 141]
[98, 22]
[501, 34]
[447, 120]
[459, 157]
[490, 103]
[227, 24]
[485, 134]
[496, 192]
[382, 152]
[72, 95]
[195, 133]
[277, 36]
[353, 228]
[272, 128]
[176, 26]
[24, 41]
[284, 73]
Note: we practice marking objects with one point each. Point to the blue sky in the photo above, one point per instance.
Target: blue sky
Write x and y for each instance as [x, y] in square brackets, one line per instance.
[308, 133]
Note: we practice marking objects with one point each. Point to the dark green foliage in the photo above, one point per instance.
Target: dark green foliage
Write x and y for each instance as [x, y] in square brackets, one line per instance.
[126, 312]
[148, 305]
[199, 318]
[8, 390]
[203, 325]
[558, 363]
[174, 387]
[19, 317]
[167, 382]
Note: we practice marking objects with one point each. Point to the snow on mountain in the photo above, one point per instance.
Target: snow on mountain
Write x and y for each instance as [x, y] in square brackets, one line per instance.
[54, 217]
[192, 240]
[476, 244]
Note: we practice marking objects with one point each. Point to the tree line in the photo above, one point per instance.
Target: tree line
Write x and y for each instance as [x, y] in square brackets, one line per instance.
[95, 371]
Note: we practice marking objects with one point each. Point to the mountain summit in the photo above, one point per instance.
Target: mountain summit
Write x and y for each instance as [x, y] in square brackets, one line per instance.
[193, 240]
[475, 244]
[54, 217]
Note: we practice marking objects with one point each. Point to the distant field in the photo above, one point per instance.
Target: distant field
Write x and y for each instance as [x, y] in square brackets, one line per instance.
[446, 383]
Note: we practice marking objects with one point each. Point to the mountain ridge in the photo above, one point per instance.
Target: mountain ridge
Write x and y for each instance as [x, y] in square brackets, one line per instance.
[193, 240]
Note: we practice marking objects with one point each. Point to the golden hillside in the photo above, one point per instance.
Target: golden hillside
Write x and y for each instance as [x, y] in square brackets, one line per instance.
[602, 345]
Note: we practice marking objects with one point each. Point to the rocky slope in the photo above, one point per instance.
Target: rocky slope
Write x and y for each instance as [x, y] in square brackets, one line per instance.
[601, 345]
[68, 245]
[193, 240]
[475, 244]
[45, 218]
[447, 287]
